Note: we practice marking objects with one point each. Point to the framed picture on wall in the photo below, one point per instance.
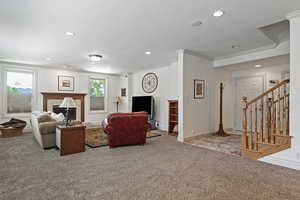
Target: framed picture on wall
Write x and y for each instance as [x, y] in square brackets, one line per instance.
[66, 83]
[123, 92]
[199, 89]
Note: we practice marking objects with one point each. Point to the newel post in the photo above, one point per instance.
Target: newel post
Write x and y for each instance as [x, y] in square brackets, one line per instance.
[245, 107]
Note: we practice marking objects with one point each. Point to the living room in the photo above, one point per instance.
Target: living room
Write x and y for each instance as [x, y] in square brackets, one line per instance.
[95, 105]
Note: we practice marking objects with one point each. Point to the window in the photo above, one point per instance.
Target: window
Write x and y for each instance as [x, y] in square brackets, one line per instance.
[97, 94]
[19, 92]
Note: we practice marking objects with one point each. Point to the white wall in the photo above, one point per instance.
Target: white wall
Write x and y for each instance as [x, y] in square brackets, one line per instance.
[125, 82]
[291, 157]
[167, 89]
[228, 77]
[202, 116]
[274, 72]
[269, 73]
[196, 113]
[47, 81]
[222, 75]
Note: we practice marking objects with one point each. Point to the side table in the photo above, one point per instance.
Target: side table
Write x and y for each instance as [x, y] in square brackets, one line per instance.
[70, 139]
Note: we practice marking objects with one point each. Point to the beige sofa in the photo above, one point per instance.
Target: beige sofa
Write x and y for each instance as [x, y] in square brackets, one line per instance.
[44, 129]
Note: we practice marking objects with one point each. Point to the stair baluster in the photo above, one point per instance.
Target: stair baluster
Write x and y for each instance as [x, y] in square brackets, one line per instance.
[266, 122]
[245, 134]
[255, 129]
[278, 113]
[273, 120]
[262, 120]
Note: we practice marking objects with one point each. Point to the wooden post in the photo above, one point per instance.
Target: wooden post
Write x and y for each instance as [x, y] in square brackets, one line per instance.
[278, 114]
[245, 137]
[261, 109]
[221, 131]
[273, 120]
[285, 111]
[269, 120]
[256, 129]
[251, 129]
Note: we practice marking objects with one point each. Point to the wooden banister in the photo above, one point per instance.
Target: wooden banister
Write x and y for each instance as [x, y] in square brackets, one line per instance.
[265, 118]
[269, 91]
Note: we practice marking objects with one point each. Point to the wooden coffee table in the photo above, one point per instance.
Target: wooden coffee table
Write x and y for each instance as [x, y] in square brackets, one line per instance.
[70, 139]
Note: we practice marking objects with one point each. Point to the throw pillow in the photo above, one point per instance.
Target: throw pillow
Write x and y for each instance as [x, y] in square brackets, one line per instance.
[44, 117]
[58, 117]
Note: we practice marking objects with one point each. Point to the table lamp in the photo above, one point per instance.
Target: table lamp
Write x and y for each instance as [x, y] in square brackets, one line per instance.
[117, 100]
[68, 103]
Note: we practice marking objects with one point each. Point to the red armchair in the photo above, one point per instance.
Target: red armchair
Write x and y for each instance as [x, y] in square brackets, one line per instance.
[127, 129]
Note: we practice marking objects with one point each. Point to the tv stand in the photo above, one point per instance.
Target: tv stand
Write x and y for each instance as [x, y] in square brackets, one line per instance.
[152, 122]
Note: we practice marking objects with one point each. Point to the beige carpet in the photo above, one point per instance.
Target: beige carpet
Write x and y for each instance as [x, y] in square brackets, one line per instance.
[163, 169]
[95, 137]
[230, 144]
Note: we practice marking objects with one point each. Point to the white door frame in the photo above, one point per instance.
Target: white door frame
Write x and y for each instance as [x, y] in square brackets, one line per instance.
[238, 104]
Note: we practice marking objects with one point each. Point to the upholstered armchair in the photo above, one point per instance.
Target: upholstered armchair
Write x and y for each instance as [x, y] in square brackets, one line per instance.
[44, 128]
[126, 128]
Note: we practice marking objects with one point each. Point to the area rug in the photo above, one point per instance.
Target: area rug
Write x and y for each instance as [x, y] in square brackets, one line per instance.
[229, 145]
[95, 137]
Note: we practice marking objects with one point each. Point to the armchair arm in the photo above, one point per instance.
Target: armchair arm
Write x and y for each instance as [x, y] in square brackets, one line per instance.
[147, 127]
[108, 130]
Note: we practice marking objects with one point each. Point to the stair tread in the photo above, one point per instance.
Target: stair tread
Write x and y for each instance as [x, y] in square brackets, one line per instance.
[280, 135]
[252, 150]
[266, 143]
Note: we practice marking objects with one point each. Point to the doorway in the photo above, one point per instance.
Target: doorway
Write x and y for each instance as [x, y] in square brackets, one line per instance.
[249, 87]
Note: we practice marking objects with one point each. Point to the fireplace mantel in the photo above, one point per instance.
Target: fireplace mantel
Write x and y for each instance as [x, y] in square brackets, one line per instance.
[52, 95]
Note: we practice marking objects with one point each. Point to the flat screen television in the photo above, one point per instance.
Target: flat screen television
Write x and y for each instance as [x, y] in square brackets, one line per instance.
[143, 103]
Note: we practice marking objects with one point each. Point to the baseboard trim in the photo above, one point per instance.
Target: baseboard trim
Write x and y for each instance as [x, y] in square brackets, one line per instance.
[293, 164]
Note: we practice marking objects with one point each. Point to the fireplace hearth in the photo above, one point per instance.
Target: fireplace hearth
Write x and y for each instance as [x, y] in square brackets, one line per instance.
[72, 111]
[51, 102]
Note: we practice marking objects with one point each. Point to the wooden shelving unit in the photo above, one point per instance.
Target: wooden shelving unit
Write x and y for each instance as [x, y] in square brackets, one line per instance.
[173, 116]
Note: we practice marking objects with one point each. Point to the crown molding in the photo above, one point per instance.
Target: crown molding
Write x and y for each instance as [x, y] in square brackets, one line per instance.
[293, 15]
[198, 54]
[29, 65]
[257, 54]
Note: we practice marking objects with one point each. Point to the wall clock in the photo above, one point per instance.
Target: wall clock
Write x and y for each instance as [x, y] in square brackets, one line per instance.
[149, 82]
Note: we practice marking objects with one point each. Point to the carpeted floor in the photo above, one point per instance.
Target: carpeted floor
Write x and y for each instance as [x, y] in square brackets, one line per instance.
[162, 169]
[95, 137]
[230, 144]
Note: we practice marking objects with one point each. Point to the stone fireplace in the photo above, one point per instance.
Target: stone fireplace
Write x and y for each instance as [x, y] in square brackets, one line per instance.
[51, 102]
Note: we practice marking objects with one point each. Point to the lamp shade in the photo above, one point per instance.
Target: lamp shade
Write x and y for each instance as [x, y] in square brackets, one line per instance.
[68, 102]
[117, 100]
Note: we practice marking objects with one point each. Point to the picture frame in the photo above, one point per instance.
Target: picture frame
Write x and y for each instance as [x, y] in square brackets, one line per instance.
[199, 89]
[123, 92]
[66, 83]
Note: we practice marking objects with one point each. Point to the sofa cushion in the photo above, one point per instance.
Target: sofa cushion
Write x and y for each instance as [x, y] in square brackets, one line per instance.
[44, 117]
[47, 128]
[58, 117]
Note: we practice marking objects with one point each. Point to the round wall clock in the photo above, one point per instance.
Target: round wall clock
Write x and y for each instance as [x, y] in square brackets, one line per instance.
[149, 82]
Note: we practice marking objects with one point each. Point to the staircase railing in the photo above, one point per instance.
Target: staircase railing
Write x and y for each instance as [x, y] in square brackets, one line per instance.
[266, 117]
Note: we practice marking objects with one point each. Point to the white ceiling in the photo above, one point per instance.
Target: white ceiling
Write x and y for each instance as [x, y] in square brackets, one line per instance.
[265, 63]
[121, 31]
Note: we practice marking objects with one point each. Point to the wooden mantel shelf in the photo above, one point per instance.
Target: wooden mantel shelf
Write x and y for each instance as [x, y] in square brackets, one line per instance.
[63, 94]
[57, 95]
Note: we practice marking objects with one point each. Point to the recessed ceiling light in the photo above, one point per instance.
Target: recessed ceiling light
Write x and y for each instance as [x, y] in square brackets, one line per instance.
[70, 33]
[235, 46]
[257, 66]
[48, 59]
[95, 57]
[196, 23]
[148, 52]
[218, 13]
